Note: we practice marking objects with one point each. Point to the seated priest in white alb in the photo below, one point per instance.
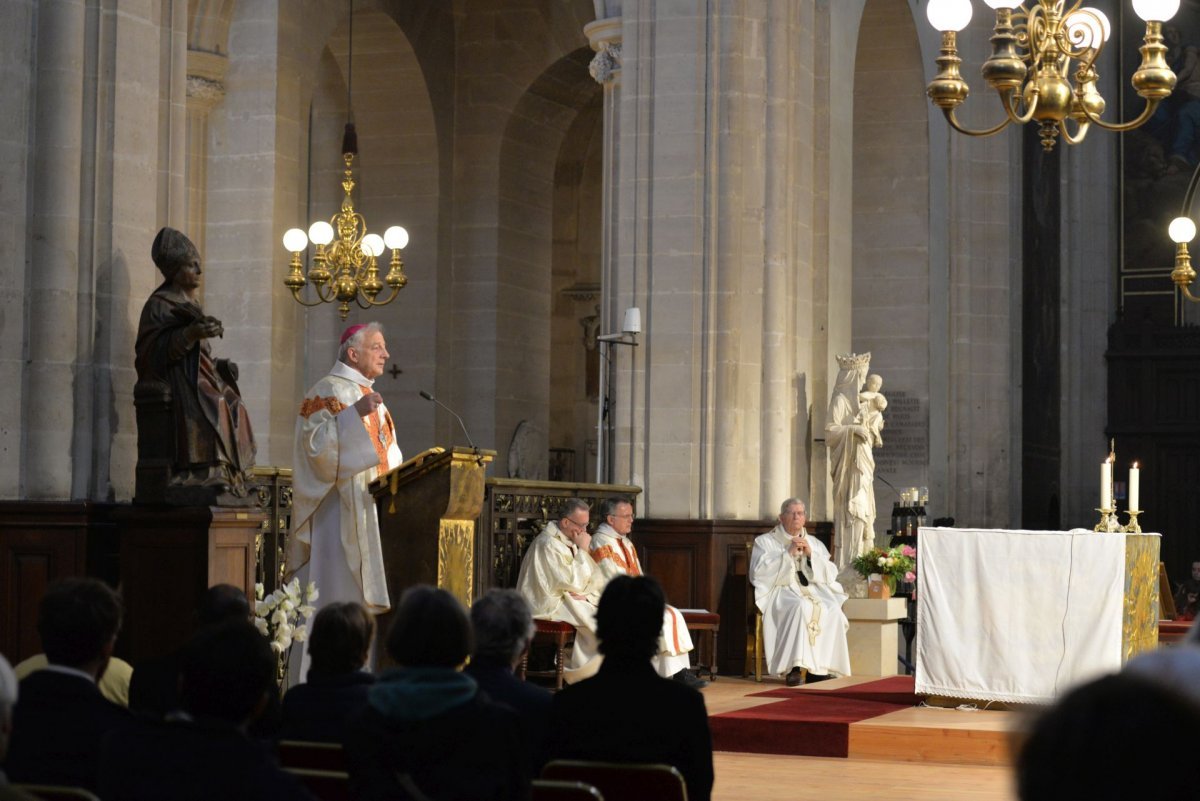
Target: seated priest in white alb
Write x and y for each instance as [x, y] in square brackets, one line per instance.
[562, 583]
[796, 589]
[616, 555]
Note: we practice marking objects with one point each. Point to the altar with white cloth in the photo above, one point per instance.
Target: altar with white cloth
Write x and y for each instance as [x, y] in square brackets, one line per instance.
[1022, 616]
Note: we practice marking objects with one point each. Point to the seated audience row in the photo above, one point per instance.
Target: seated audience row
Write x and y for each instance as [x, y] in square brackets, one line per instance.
[426, 728]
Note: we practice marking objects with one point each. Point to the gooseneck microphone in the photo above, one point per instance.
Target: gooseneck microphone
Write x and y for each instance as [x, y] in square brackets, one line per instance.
[429, 397]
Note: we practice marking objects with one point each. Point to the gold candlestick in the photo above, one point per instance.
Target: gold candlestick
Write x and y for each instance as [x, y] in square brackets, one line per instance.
[1108, 521]
[1133, 527]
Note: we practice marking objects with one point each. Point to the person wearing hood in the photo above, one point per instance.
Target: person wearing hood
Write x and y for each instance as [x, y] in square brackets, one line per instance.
[427, 732]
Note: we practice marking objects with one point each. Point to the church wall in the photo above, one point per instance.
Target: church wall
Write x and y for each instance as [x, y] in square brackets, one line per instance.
[891, 242]
[17, 51]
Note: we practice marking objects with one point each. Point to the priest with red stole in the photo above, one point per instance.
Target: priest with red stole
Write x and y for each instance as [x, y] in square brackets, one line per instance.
[345, 438]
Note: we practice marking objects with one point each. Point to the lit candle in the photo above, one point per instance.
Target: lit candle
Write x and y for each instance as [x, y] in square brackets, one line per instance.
[1106, 485]
[1134, 479]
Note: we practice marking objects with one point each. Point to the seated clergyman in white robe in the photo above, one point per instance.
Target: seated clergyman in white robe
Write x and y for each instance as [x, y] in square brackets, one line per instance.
[615, 555]
[804, 627]
[561, 582]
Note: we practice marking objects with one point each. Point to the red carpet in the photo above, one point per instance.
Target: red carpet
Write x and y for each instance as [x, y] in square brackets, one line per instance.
[807, 724]
[811, 722]
[892, 690]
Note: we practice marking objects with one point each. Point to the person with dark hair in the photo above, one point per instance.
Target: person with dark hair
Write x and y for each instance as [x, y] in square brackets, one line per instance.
[616, 555]
[1126, 719]
[427, 730]
[562, 582]
[626, 712]
[337, 685]
[154, 689]
[213, 442]
[62, 717]
[203, 752]
[503, 629]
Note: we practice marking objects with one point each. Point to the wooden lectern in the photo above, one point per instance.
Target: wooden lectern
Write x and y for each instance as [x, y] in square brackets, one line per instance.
[427, 512]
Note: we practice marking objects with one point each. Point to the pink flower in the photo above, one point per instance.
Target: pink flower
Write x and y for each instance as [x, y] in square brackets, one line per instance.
[908, 550]
[910, 576]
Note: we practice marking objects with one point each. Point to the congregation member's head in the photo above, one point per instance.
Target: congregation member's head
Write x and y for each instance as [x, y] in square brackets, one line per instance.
[629, 618]
[228, 670]
[503, 627]
[8, 699]
[430, 629]
[792, 515]
[78, 621]
[340, 639]
[618, 513]
[1092, 742]
[364, 349]
[220, 603]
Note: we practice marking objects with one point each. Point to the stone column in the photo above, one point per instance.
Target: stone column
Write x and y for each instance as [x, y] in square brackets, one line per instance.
[604, 35]
[49, 408]
[205, 90]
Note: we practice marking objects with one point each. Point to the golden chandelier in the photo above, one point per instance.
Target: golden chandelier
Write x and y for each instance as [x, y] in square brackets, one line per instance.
[345, 269]
[1030, 65]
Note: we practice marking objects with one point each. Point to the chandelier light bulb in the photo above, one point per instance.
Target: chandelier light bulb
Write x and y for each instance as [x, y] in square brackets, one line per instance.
[1155, 10]
[396, 237]
[1182, 229]
[294, 241]
[1002, 3]
[949, 15]
[320, 232]
[372, 244]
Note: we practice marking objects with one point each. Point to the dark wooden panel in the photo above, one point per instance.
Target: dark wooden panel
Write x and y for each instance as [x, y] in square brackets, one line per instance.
[41, 542]
[169, 557]
[1153, 388]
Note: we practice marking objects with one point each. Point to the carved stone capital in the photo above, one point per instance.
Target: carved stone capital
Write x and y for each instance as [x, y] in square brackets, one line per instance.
[204, 92]
[606, 64]
[604, 35]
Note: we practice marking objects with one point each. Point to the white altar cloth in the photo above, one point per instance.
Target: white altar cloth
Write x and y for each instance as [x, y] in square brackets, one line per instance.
[1017, 616]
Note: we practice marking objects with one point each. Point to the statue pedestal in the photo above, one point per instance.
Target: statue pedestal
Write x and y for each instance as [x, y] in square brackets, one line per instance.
[169, 557]
[873, 636]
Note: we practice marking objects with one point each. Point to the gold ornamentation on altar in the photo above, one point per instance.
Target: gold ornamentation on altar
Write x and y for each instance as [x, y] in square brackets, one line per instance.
[1139, 623]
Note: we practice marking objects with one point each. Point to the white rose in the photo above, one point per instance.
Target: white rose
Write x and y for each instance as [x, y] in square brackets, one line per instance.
[882, 561]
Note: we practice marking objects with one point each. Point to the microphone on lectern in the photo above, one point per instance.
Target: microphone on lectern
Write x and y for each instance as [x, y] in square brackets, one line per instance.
[432, 399]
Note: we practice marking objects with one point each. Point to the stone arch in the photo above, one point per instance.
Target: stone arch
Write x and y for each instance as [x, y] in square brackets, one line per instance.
[537, 150]
[891, 224]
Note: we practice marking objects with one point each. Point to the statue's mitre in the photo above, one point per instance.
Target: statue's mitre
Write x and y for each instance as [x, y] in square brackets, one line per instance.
[849, 361]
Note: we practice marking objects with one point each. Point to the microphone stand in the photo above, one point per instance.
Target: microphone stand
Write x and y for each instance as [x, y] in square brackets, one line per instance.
[478, 456]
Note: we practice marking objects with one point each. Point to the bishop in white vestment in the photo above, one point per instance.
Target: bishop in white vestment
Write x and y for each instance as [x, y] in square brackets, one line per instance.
[615, 555]
[803, 623]
[561, 582]
[345, 438]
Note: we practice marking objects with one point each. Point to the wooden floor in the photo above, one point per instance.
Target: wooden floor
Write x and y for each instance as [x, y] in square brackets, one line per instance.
[919, 753]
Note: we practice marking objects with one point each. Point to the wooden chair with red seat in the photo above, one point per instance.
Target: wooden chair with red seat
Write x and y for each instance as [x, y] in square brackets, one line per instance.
[557, 633]
[708, 623]
[311, 755]
[56, 792]
[327, 785]
[547, 790]
[621, 781]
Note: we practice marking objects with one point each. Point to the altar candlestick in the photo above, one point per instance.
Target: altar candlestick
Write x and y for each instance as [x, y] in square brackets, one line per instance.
[1134, 480]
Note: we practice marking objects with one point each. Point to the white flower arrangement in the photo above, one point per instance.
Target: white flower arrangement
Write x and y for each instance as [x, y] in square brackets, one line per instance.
[283, 616]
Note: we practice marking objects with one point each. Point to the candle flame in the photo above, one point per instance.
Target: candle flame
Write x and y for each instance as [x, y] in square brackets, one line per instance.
[1135, 464]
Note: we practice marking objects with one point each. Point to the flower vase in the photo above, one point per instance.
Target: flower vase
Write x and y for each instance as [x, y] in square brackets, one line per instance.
[880, 586]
